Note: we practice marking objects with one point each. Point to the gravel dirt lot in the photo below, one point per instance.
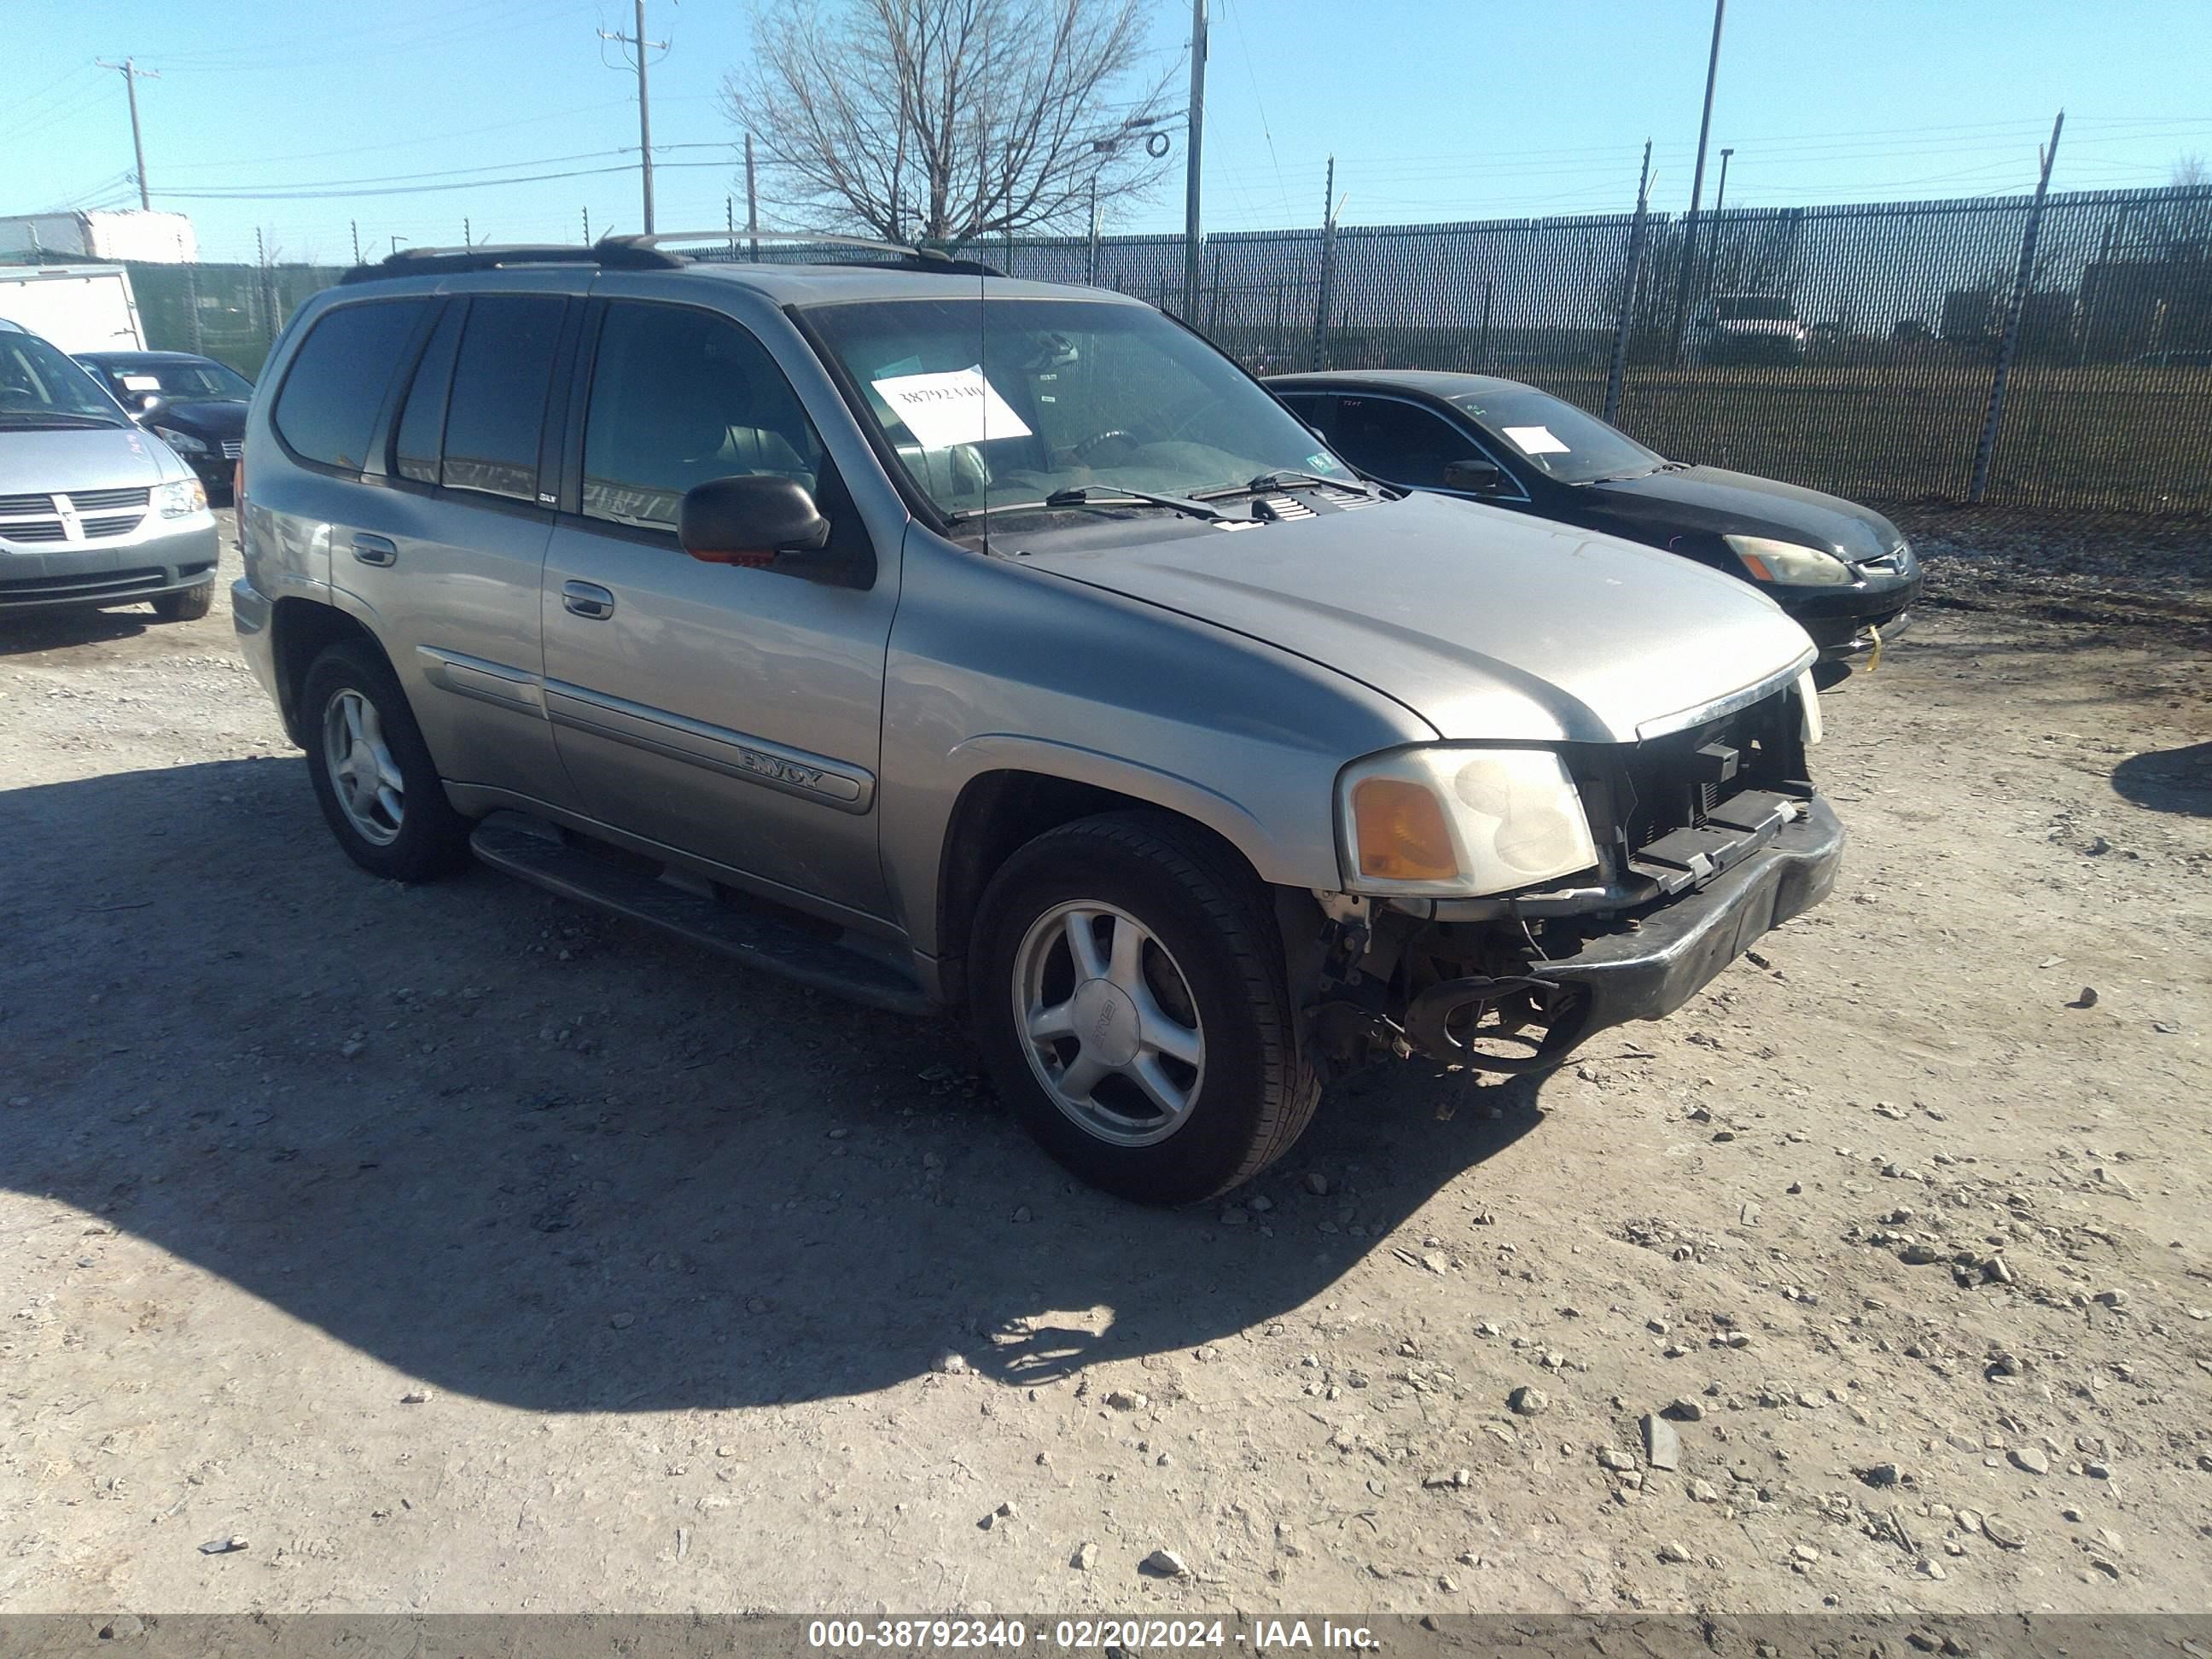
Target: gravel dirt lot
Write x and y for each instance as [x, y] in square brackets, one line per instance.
[453, 1249]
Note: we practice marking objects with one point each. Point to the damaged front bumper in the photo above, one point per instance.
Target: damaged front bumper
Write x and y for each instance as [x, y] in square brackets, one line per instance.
[1640, 963]
[1666, 956]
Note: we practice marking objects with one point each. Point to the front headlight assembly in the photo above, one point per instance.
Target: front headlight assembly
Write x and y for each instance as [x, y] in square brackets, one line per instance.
[1765, 560]
[183, 442]
[1449, 822]
[181, 497]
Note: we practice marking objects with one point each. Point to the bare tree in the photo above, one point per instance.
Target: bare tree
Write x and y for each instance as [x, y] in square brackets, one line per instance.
[2190, 169]
[945, 120]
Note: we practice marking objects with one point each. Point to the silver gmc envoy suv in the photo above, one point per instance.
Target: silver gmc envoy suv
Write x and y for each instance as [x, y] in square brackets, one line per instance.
[950, 641]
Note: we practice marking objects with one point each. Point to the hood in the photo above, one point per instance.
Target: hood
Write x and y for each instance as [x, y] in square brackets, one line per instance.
[213, 419]
[1486, 625]
[104, 458]
[1714, 501]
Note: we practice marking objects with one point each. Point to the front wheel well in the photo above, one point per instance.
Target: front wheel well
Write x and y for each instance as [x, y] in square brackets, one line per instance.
[999, 812]
[300, 630]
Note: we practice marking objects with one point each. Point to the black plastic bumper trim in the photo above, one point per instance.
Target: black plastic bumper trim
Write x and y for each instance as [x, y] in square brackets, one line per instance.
[1650, 971]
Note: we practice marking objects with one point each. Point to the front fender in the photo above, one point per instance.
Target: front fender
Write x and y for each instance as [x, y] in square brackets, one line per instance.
[995, 666]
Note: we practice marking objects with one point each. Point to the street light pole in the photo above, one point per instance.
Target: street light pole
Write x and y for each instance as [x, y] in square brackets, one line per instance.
[1697, 184]
[1195, 144]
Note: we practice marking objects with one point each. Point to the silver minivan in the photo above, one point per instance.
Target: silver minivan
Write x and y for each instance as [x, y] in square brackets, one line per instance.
[93, 511]
[962, 644]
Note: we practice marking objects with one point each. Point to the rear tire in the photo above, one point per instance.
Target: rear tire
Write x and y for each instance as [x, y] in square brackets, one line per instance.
[187, 604]
[372, 773]
[1127, 992]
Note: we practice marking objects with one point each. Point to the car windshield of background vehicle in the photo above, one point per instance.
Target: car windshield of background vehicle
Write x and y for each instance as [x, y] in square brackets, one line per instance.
[189, 383]
[39, 386]
[1558, 439]
[1012, 401]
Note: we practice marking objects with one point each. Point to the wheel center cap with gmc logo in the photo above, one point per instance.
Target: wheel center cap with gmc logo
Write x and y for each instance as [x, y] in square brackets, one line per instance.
[1106, 1022]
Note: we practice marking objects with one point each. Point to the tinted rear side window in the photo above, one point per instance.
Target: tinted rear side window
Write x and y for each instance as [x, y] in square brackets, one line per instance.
[497, 409]
[327, 410]
[422, 422]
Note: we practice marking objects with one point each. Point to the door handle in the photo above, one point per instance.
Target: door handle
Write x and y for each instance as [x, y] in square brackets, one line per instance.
[587, 599]
[374, 549]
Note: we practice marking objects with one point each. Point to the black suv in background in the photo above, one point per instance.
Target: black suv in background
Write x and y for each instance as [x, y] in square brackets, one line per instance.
[195, 404]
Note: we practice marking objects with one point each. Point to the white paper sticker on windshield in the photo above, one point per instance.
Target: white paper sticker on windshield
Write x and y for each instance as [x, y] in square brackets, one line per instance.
[1536, 440]
[957, 407]
[142, 383]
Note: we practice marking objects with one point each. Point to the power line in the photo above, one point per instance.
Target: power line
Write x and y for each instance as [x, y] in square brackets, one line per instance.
[416, 190]
[562, 114]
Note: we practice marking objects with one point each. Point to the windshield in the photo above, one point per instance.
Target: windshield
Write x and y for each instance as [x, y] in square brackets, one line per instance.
[1012, 401]
[39, 386]
[1558, 439]
[1752, 308]
[184, 383]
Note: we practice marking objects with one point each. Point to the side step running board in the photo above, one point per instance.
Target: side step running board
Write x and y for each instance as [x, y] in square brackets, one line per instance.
[753, 937]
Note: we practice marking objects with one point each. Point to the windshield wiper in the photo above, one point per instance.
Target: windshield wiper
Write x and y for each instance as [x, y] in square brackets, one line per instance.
[1117, 496]
[1273, 480]
[1624, 477]
[1081, 497]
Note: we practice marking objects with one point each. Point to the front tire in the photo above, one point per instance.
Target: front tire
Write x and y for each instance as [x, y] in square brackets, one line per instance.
[1127, 991]
[186, 604]
[372, 773]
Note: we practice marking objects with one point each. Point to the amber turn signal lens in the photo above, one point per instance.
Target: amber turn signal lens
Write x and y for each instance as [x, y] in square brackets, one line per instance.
[1401, 832]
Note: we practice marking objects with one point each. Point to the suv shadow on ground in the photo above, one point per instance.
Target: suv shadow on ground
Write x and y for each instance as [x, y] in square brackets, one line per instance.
[2169, 779]
[516, 1150]
[35, 631]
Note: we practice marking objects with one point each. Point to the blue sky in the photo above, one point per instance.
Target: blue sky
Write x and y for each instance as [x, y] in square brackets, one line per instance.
[1435, 109]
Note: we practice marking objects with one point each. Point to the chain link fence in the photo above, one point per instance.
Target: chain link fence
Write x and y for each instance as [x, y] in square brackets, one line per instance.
[1851, 349]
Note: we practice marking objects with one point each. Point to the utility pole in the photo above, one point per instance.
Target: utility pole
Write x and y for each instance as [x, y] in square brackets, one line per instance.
[1091, 265]
[1327, 267]
[1697, 186]
[132, 75]
[752, 201]
[2023, 285]
[1720, 200]
[1617, 374]
[468, 237]
[587, 226]
[355, 225]
[644, 104]
[1196, 145]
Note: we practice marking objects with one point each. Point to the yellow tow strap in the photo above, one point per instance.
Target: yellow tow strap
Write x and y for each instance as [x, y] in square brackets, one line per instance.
[1873, 658]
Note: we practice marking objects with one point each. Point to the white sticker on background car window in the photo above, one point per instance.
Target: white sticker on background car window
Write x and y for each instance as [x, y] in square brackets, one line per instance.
[957, 407]
[142, 383]
[1536, 440]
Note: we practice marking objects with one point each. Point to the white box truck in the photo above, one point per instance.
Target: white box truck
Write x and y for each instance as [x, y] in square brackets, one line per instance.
[78, 307]
[134, 233]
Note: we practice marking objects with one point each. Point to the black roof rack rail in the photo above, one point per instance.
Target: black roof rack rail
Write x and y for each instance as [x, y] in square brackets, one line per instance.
[645, 253]
[613, 253]
[906, 257]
